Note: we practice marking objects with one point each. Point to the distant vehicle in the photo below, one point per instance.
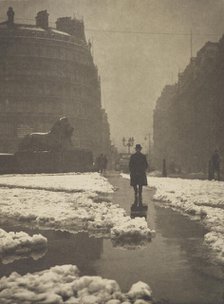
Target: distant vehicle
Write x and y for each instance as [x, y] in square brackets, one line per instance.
[123, 162]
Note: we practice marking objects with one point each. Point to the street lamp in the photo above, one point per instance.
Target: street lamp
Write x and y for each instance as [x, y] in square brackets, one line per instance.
[129, 143]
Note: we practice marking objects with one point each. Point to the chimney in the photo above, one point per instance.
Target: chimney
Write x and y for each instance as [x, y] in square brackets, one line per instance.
[42, 19]
[71, 26]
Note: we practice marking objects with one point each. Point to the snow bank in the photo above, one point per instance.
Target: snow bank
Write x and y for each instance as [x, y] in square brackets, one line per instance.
[70, 182]
[201, 198]
[16, 245]
[140, 290]
[70, 211]
[62, 284]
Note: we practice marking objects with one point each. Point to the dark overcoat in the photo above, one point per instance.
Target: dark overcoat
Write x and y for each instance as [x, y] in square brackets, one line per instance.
[137, 166]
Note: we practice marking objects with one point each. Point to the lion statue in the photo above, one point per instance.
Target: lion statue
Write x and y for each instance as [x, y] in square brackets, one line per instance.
[57, 139]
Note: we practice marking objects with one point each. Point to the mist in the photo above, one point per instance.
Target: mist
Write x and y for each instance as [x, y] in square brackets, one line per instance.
[139, 46]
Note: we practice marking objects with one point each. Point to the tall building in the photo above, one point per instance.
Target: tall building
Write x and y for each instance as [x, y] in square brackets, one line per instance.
[47, 73]
[188, 117]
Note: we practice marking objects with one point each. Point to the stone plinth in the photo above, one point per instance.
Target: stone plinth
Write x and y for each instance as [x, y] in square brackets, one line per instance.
[53, 162]
[8, 163]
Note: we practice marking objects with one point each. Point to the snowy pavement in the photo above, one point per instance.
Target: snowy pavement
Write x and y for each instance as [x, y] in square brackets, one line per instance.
[69, 203]
[67, 182]
[200, 199]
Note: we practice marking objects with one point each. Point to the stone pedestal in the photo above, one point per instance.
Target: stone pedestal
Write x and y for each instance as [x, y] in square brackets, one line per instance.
[8, 163]
[53, 162]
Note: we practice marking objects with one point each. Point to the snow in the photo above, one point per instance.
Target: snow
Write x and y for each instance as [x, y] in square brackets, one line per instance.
[140, 290]
[73, 182]
[16, 245]
[201, 198]
[68, 202]
[38, 29]
[131, 233]
[61, 33]
[62, 284]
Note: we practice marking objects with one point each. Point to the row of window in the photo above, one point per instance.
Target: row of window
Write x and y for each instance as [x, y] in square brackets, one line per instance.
[43, 90]
[48, 76]
[76, 109]
[37, 50]
[42, 64]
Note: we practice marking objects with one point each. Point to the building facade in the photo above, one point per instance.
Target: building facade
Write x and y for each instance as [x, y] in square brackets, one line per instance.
[47, 73]
[188, 117]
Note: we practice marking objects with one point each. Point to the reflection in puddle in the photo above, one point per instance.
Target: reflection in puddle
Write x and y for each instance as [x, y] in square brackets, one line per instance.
[20, 245]
[63, 248]
[130, 243]
[138, 211]
[173, 264]
[10, 257]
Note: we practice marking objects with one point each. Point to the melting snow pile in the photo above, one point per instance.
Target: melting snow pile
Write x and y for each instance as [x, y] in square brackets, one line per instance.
[70, 210]
[62, 284]
[132, 232]
[204, 199]
[14, 245]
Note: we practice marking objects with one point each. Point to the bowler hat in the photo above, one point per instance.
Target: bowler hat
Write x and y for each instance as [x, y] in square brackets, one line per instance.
[138, 147]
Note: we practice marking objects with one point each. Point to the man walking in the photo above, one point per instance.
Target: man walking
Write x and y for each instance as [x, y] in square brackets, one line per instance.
[137, 166]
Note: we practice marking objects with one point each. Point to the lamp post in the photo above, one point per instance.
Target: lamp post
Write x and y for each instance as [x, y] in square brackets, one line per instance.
[128, 143]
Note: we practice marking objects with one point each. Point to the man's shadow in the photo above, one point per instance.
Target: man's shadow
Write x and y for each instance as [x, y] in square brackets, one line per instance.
[138, 211]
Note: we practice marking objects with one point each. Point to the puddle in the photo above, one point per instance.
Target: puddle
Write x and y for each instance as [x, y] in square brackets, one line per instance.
[173, 264]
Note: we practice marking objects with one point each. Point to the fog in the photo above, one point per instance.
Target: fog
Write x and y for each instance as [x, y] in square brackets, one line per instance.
[138, 45]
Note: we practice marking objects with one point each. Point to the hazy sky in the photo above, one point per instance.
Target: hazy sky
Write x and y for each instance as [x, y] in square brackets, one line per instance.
[135, 66]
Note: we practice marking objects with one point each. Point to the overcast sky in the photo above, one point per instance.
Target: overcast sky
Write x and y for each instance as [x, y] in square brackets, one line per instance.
[139, 46]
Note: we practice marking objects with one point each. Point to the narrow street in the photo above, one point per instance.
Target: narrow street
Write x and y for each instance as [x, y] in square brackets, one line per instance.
[175, 264]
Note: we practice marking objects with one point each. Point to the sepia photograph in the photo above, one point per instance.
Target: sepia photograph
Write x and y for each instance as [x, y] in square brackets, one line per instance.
[112, 151]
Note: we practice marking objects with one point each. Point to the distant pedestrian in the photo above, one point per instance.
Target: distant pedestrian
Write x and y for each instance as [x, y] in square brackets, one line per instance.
[164, 171]
[100, 163]
[138, 166]
[215, 162]
[105, 161]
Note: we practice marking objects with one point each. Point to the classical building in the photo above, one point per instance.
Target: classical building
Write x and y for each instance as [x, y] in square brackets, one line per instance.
[47, 73]
[188, 117]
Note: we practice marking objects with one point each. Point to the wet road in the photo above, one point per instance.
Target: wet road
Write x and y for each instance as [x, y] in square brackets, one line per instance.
[175, 264]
